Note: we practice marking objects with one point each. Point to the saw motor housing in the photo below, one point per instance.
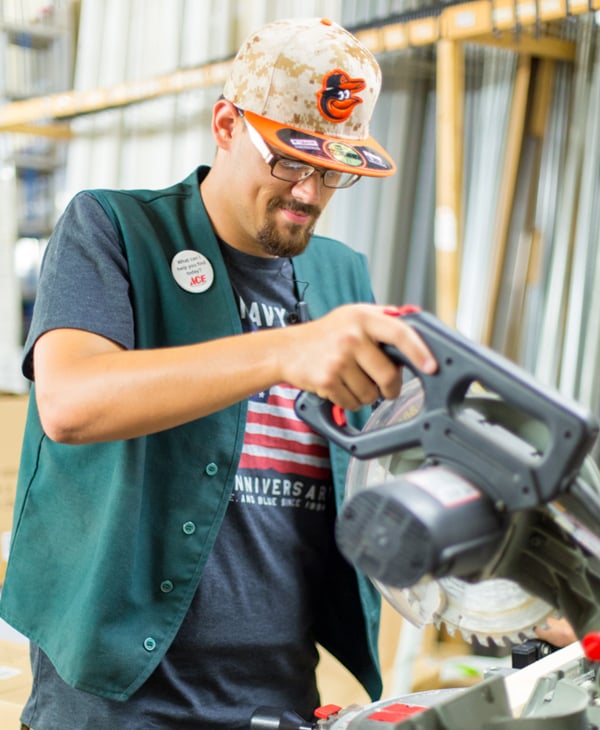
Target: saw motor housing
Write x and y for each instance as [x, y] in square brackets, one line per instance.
[428, 522]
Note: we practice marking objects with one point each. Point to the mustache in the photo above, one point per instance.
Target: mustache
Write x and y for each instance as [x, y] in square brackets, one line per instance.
[295, 206]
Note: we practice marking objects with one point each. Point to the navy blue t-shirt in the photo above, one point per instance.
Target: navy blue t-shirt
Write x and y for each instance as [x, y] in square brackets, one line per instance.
[248, 639]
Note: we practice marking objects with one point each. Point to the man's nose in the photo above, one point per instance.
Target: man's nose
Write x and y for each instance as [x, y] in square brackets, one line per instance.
[309, 189]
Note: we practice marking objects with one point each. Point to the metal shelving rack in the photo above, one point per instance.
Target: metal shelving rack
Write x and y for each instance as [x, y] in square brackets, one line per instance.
[520, 25]
[36, 59]
[526, 27]
[504, 23]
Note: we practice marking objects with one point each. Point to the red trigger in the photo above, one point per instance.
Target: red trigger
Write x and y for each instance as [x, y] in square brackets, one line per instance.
[401, 311]
[339, 416]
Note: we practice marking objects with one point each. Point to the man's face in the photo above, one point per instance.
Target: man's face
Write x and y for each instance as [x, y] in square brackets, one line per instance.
[280, 216]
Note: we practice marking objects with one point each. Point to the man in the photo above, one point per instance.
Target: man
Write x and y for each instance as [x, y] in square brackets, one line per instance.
[173, 560]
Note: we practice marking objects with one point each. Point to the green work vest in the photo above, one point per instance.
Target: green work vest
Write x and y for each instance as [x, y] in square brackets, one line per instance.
[110, 539]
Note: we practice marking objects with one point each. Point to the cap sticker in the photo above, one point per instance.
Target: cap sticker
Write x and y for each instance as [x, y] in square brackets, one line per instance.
[374, 159]
[337, 96]
[345, 154]
[302, 142]
[192, 271]
[358, 156]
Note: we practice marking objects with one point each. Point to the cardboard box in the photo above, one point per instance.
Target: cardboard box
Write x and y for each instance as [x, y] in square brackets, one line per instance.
[432, 660]
[13, 411]
[10, 714]
[338, 686]
[15, 673]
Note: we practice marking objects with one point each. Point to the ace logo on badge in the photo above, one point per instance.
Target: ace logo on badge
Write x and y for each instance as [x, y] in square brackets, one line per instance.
[192, 271]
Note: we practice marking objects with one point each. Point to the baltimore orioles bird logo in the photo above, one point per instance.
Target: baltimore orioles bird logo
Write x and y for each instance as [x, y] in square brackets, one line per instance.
[337, 96]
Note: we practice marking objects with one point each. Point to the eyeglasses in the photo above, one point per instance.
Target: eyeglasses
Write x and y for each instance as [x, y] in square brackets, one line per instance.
[294, 171]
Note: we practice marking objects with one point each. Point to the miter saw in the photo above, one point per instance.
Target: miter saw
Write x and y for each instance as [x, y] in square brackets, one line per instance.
[472, 500]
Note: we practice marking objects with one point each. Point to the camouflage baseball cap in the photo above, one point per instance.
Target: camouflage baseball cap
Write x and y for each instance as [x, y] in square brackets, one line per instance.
[309, 87]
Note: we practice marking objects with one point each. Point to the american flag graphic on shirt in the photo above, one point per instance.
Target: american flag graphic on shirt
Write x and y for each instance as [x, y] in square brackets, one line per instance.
[277, 440]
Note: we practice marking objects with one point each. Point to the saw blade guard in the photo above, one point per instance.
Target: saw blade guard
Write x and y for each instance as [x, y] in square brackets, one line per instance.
[494, 611]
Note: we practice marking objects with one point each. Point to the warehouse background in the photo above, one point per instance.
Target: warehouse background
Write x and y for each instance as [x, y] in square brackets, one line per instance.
[490, 108]
[511, 258]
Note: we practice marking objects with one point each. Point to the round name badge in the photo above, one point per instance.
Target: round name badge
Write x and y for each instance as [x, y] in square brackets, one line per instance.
[192, 271]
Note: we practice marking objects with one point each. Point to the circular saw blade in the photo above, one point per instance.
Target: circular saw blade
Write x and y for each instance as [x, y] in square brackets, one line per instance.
[495, 611]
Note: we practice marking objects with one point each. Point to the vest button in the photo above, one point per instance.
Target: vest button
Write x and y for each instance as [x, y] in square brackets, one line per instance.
[211, 469]
[166, 586]
[189, 528]
[149, 644]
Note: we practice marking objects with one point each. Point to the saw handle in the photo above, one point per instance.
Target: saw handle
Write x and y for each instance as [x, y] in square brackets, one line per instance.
[514, 472]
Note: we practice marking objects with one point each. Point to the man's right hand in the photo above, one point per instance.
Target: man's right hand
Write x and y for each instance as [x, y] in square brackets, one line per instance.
[339, 356]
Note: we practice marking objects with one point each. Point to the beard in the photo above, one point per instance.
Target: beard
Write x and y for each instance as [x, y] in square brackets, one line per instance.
[294, 239]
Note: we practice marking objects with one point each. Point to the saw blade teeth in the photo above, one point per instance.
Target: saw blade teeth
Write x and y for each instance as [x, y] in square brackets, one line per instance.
[483, 639]
[512, 639]
[492, 641]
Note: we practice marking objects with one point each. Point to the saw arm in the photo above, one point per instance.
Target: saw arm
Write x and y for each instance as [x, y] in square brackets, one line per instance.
[504, 465]
[473, 491]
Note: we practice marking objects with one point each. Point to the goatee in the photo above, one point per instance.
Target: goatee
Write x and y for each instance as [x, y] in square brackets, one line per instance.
[296, 238]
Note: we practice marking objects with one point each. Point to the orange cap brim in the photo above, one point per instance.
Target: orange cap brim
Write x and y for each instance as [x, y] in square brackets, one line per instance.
[362, 157]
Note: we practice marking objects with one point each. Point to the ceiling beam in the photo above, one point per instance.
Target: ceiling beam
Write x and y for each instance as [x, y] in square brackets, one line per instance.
[506, 23]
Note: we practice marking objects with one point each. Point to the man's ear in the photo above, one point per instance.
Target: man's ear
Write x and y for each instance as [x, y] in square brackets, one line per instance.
[224, 119]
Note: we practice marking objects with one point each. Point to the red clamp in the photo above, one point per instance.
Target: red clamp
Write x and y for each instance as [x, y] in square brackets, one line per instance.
[327, 711]
[396, 713]
[591, 646]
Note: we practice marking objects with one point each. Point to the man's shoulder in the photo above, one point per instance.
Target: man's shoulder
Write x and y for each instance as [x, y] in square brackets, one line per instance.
[331, 247]
[183, 188]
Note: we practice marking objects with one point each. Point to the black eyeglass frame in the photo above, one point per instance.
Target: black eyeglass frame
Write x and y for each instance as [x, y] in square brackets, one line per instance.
[273, 159]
